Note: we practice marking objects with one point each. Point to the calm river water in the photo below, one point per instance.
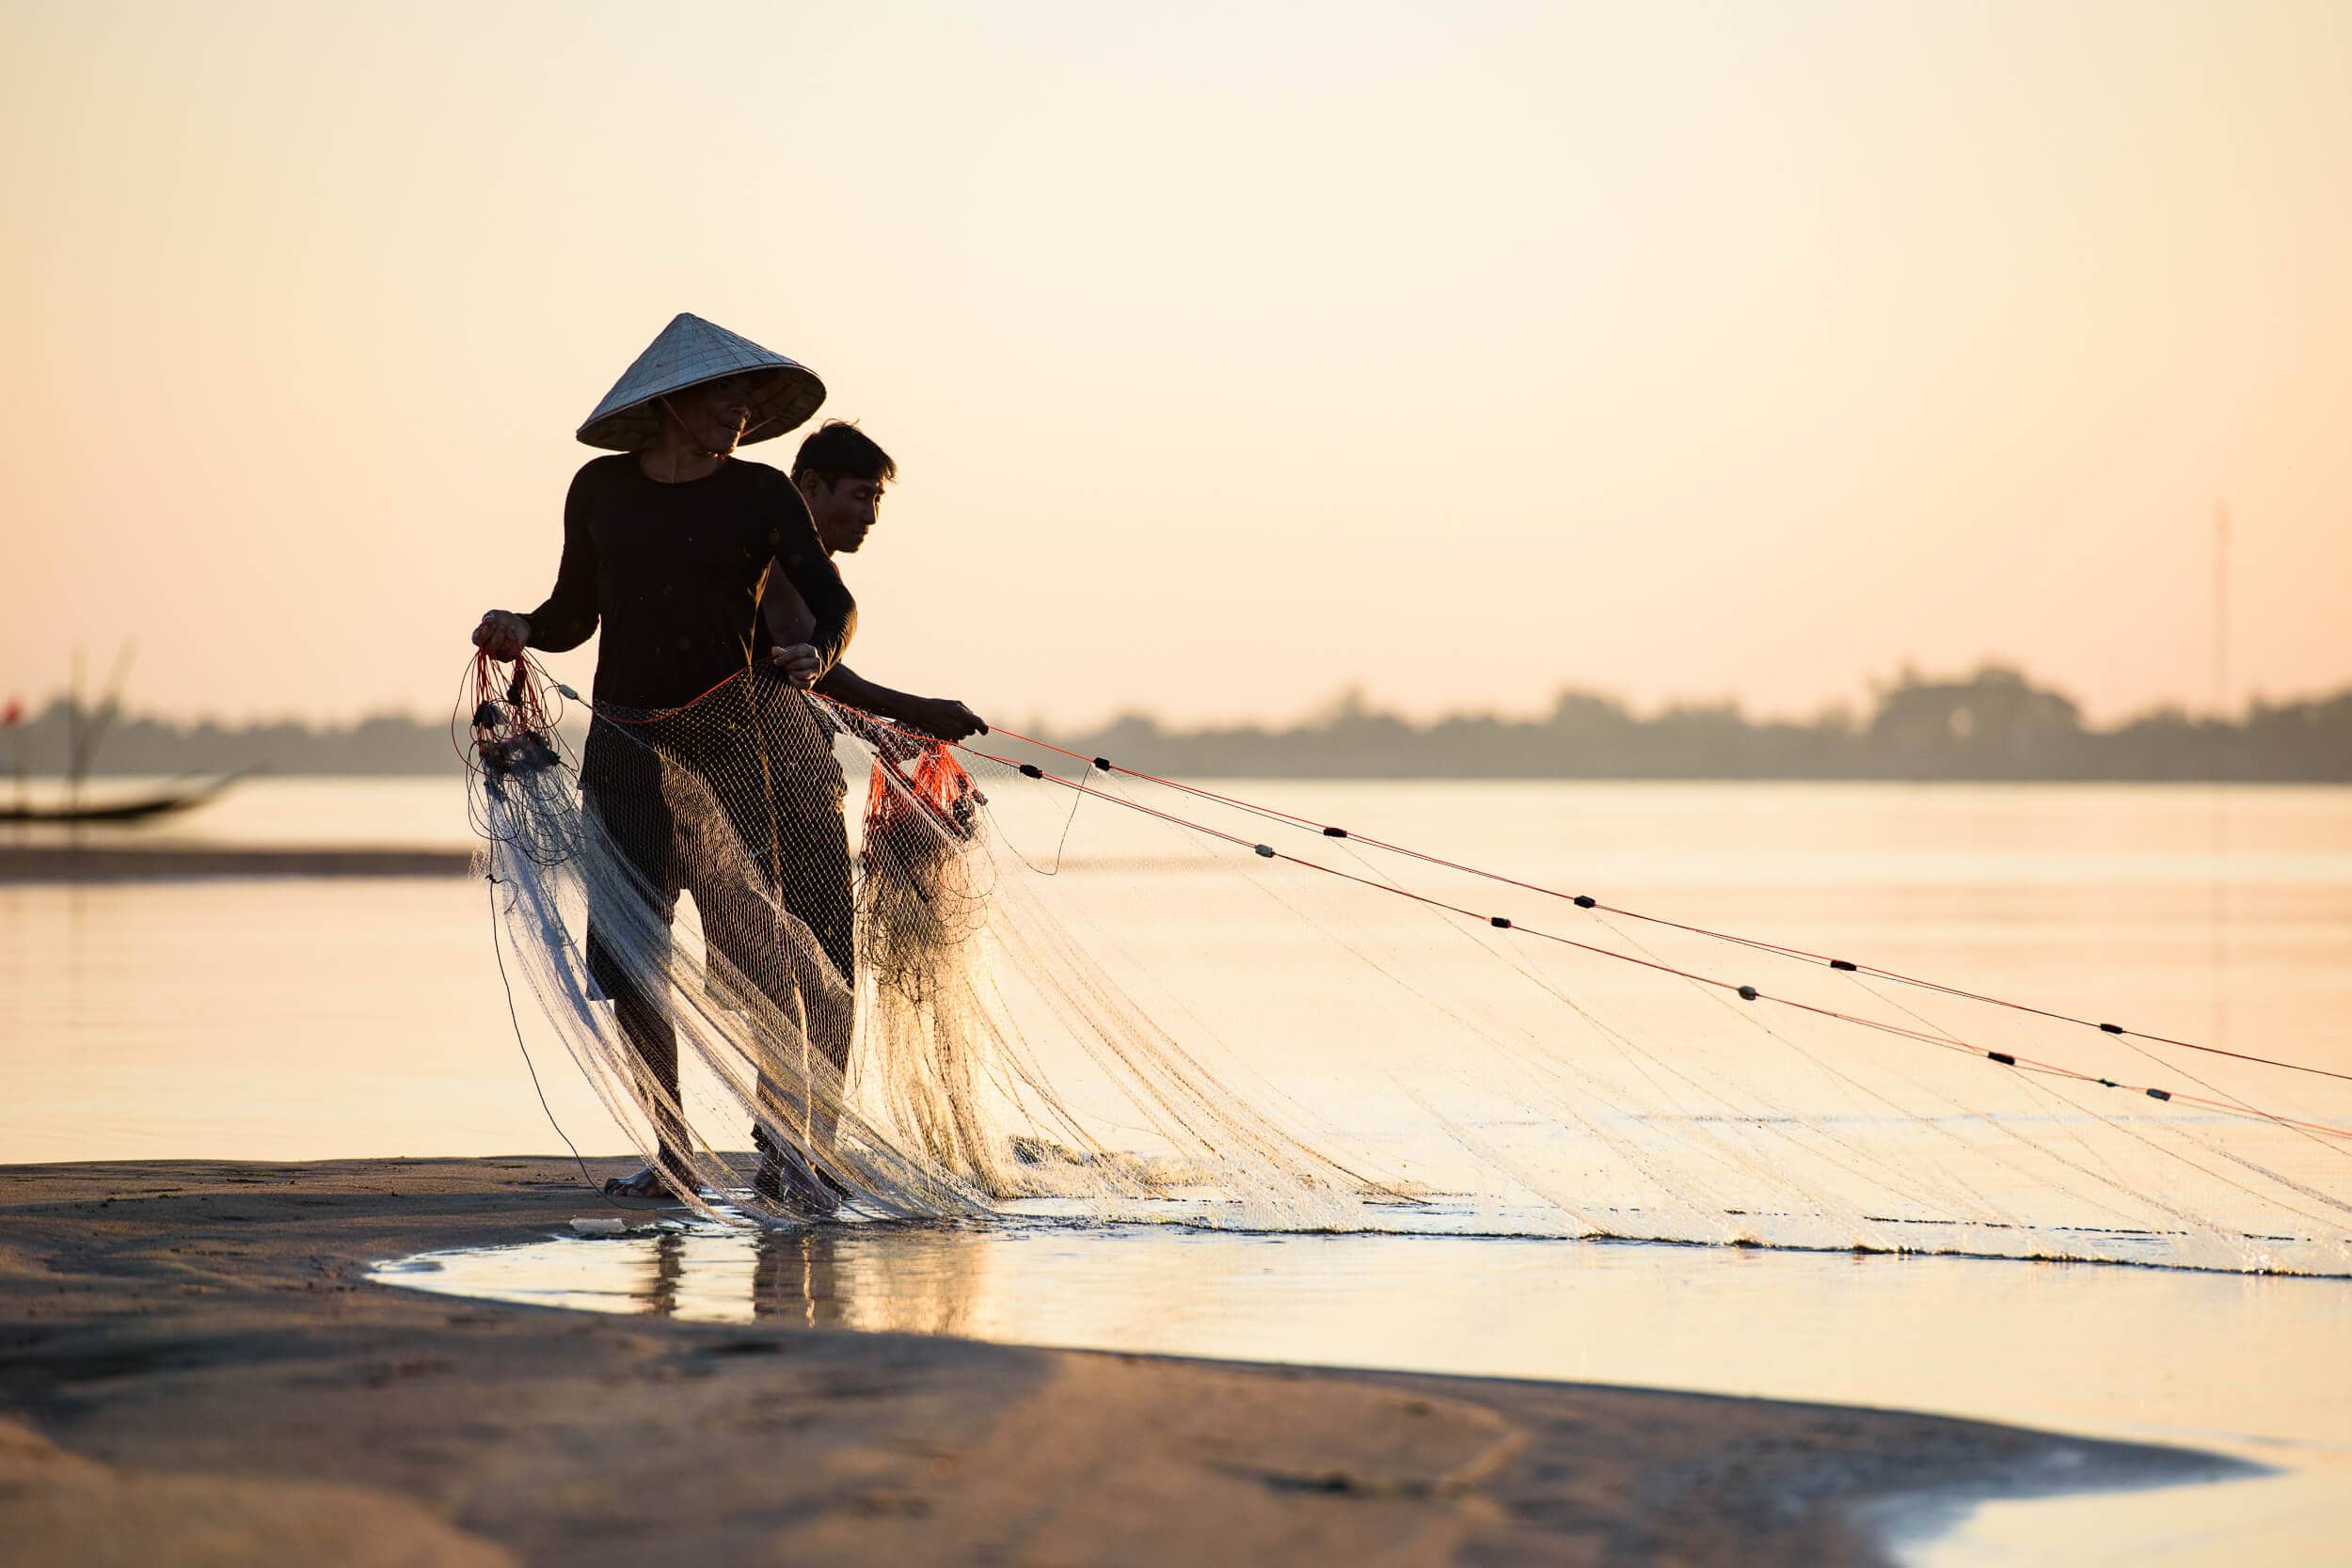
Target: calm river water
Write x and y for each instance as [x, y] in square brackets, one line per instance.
[315, 1018]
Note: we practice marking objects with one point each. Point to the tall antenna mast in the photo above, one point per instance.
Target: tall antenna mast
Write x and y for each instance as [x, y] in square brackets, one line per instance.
[2221, 609]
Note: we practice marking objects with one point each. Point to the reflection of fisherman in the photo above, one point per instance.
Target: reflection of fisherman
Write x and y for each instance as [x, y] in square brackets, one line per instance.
[666, 547]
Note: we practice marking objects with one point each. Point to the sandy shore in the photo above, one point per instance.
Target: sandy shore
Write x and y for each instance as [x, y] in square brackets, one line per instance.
[196, 1372]
[105, 862]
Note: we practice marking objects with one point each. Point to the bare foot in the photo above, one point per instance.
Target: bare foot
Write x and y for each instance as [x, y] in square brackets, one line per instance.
[786, 1178]
[648, 1182]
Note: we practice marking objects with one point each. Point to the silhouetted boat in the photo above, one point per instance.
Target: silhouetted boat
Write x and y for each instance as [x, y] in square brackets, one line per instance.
[84, 730]
[138, 808]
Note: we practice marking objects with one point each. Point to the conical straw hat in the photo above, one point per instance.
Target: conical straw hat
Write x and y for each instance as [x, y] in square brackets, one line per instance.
[688, 352]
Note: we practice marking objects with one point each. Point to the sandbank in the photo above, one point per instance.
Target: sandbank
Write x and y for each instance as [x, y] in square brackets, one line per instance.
[115, 862]
[197, 1372]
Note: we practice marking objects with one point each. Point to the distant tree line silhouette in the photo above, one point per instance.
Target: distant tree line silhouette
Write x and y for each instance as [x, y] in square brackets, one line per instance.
[1995, 724]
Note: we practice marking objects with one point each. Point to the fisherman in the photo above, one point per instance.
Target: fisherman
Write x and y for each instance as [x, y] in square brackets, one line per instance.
[841, 473]
[668, 547]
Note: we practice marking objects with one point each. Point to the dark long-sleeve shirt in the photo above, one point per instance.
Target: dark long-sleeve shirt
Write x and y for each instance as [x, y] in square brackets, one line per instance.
[670, 571]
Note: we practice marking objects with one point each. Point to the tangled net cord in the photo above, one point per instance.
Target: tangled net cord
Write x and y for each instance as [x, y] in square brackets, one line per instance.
[952, 1051]
[495, 722]
[763, 1003]
[1582, 901]
[1929, 1035]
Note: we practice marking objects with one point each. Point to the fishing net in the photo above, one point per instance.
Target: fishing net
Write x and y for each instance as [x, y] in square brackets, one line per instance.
[1012, 979]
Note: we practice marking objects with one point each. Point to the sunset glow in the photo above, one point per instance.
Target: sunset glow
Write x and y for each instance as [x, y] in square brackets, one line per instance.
[1234, 355]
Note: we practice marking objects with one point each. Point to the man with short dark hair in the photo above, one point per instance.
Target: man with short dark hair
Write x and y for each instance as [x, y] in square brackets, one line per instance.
[841, 473]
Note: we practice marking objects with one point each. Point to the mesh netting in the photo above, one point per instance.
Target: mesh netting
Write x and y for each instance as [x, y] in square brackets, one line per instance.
[1012, 979]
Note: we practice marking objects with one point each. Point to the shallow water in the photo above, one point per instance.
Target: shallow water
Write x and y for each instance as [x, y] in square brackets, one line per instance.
[2251, 1359]
[313, 1018]
[317, 1018]
[2250, 1366]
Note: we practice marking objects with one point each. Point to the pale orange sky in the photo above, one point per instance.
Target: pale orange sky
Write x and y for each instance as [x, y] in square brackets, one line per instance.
[1233, 354]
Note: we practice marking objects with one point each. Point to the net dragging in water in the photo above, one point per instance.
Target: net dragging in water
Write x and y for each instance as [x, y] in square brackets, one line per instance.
[1013, 978]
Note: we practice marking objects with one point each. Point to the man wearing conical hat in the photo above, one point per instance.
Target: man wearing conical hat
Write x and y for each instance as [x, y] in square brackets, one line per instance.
[667, 546]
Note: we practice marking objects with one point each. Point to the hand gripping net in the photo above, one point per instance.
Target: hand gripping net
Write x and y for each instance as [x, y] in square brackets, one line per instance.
[1014, 980]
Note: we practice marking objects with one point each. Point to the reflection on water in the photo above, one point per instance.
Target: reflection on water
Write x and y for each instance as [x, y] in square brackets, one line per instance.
[313, 1019]
[265, 1020]
[282, 814]
[2128, 1352]
[1692, 831]
[2248, 1365]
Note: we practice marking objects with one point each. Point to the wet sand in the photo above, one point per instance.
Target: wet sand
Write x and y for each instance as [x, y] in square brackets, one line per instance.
[196, 1372]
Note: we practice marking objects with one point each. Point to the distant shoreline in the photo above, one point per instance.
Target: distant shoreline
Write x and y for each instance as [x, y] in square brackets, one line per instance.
[1994, 726]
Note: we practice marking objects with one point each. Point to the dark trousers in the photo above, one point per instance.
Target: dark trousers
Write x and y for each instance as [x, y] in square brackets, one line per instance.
[771, 827]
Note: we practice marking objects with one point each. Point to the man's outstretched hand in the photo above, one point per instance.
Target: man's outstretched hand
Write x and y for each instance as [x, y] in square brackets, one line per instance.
[502, 634]
[942, 718]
